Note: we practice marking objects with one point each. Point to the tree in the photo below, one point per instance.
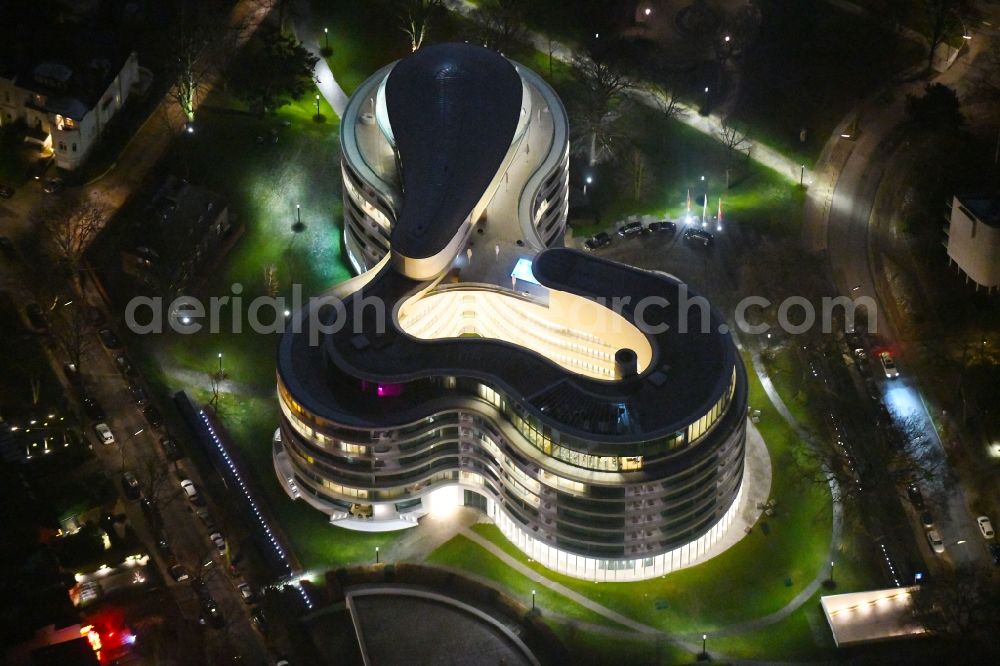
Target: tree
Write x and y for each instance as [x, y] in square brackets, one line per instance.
[964, 604]
[937, 109]
[734, 141]
[68, 226]
[636, 169]
[500, 22]
[277, 69]
[415, 17]
[70, 331]
[602, 87]
[666, 102]
[194, 30]
[944, 17]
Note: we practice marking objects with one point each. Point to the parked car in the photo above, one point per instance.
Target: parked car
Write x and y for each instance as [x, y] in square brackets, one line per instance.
[246, 593]
[935, 541]
[6, 192]
[661, 226]
[153, 415]
[36, 317]
[72, 374]
[138, 394]
[124, 365]
[995, 553]
[109, 339]
[597, 241]
[927, 520]
[53, 185]
[7, 247]
[985, 526]
[187, 485]
[170, 449]
[888, 365]
[179, 573]
[259, 620]
[699, 236]
[104, 433]
[220, 543]
[131, 486]
[916, 498]
[630, 229]
[93, 409]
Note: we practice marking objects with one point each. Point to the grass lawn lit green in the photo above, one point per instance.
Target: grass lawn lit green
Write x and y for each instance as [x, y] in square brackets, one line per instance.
[461, 553]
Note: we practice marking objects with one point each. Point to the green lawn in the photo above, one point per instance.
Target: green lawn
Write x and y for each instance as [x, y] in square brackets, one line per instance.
[461, 553]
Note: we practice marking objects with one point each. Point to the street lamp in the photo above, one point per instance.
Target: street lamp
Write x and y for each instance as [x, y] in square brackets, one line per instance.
[376, 554]
[326, 39]
[532, 600]
[704, 641]
[648, 11]
[831, 573]
[220, 366]
[317, 106]
[587, 181]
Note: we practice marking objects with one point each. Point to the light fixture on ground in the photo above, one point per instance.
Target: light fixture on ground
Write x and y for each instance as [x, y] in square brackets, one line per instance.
[376, 554]
[532, 600]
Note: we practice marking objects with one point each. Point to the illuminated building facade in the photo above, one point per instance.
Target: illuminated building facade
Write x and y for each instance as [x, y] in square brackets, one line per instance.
[596, 412]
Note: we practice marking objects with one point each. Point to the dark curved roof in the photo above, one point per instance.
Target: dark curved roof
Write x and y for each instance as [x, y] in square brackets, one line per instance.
[689, 372]
[453, 110]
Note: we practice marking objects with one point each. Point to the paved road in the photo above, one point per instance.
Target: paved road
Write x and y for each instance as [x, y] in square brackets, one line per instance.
[840, 220]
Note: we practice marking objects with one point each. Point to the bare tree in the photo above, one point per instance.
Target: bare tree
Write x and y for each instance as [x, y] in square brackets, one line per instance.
[194, 30]
[602, 87]
[158, 482]
[70, 330]
[69, 225]
[415, 17]
[666, 101]
[501, 23]
[963, 604]
[944, 17]
[636, 169]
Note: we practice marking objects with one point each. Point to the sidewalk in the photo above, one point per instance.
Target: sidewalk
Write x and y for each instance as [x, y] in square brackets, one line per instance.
[302, 26]
[710, 125]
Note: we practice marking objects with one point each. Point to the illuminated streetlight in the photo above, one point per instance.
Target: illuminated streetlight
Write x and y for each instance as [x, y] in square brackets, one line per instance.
[704, 640]
[532, 600]
[376, 554]
[220, 366]
[317, 106]
[587, 181]
[326, 39]
[726, 39]
[648, 11]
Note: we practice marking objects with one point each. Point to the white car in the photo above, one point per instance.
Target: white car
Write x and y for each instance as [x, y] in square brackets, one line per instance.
[188, 486]
[220, 543]
[985, 526]
[104, 433]
[888, 365]
[245, 592]
[934, 539]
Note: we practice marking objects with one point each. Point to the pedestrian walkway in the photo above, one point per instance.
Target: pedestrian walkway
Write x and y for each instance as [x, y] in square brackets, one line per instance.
[306, 33]
[711, 125]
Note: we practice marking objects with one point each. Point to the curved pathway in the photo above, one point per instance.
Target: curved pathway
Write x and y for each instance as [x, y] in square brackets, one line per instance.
[302, 26]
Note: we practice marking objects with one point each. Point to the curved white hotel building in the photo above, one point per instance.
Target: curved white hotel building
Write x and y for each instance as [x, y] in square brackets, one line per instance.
[596, 412]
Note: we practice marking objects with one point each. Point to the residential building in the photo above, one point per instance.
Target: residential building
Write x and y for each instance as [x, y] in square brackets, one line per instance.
[477, 362]
[65, 85]
[974, 239]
